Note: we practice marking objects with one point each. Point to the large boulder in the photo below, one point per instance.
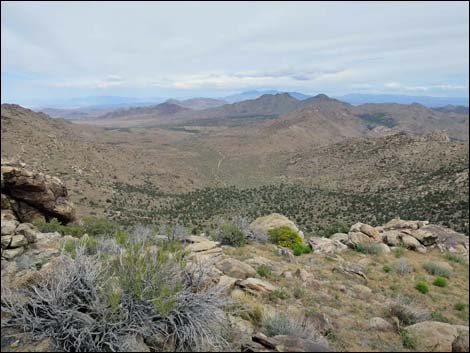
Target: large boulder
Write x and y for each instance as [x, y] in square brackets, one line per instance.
[256, 285]
[234, 268]
[35, 193]
[326, 246]
[435, 336]
[261, 225]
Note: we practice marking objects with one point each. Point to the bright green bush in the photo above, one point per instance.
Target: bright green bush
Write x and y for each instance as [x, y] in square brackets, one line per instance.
[440, 281]
[460, 306]
[422, 287]
[230, 234]
[300, 249]
[285, 236]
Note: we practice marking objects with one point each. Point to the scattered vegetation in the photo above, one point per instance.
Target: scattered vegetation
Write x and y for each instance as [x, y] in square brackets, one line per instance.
[407, 313]
[460, 306]
[401, 267]
[435, 269]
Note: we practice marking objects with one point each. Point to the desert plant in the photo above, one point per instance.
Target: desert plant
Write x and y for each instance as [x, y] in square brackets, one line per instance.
[460, 306]
[230, 234]
[422, 287]
[455, 258]
[399, 251]
[279, 323]
[407, 313]
[435, 269]
[408, 341]
[401, 267]
[370, 249]
[84, 304]
[285, 236]
[278, 294]
[440, 282]
[386, 268]
[264, 271]
[300, 249]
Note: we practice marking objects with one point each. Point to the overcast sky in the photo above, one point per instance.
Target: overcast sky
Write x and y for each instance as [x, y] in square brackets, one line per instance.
[54, 50]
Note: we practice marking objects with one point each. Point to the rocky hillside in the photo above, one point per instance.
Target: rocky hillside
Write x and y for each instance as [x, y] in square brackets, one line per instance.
[402, 286]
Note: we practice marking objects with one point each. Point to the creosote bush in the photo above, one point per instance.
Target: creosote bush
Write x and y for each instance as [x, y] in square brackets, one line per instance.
[407, 313]
[264, 271]
[125, 287]
[285, 236]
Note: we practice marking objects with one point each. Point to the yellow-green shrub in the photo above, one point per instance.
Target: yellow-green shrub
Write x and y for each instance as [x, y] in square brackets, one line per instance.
[285, 236]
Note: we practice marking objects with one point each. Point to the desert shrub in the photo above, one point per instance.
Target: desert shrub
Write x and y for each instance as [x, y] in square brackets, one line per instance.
[422, 287]
[264, 271]
[440, 282]
[455, 258]
[460, 306]
[437, 270]
[55, 226]
[299, 292]
[278, 294]
[173, 232]
[285, 236]
[407, 313]
[230, 234]
[85, 304]
[408, 341]
[338, 227]
[300, 249]
[401, 267]
[399, 251]
[248, 307]
[99, 227]
[438, 316]
[370, 249]
[279, 323]
[386, 268]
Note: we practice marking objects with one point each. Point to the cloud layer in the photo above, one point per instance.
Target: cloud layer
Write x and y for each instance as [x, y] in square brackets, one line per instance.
[184, 49]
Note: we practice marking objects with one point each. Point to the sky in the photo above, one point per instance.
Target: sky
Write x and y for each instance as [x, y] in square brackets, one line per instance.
[53, 50]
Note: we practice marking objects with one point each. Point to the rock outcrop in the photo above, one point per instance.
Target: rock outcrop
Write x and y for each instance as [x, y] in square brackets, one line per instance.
[30, 195]
[260, 226]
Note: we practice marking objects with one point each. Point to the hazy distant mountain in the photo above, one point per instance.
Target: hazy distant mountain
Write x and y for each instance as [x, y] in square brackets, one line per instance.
[163, 109]
[99, 102]
[256, 94]
[198, 103]
[357, 99]
[323, 102]
[459, 109]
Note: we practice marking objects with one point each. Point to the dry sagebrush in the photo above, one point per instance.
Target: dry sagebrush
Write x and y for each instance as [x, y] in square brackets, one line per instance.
[87, 304]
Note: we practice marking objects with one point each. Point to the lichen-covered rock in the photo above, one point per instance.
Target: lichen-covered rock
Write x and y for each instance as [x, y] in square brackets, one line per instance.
[8, 227]
[257, 285]
[326, 246]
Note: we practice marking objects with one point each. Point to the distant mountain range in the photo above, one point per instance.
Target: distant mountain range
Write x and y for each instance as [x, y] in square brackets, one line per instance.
[357, 98]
